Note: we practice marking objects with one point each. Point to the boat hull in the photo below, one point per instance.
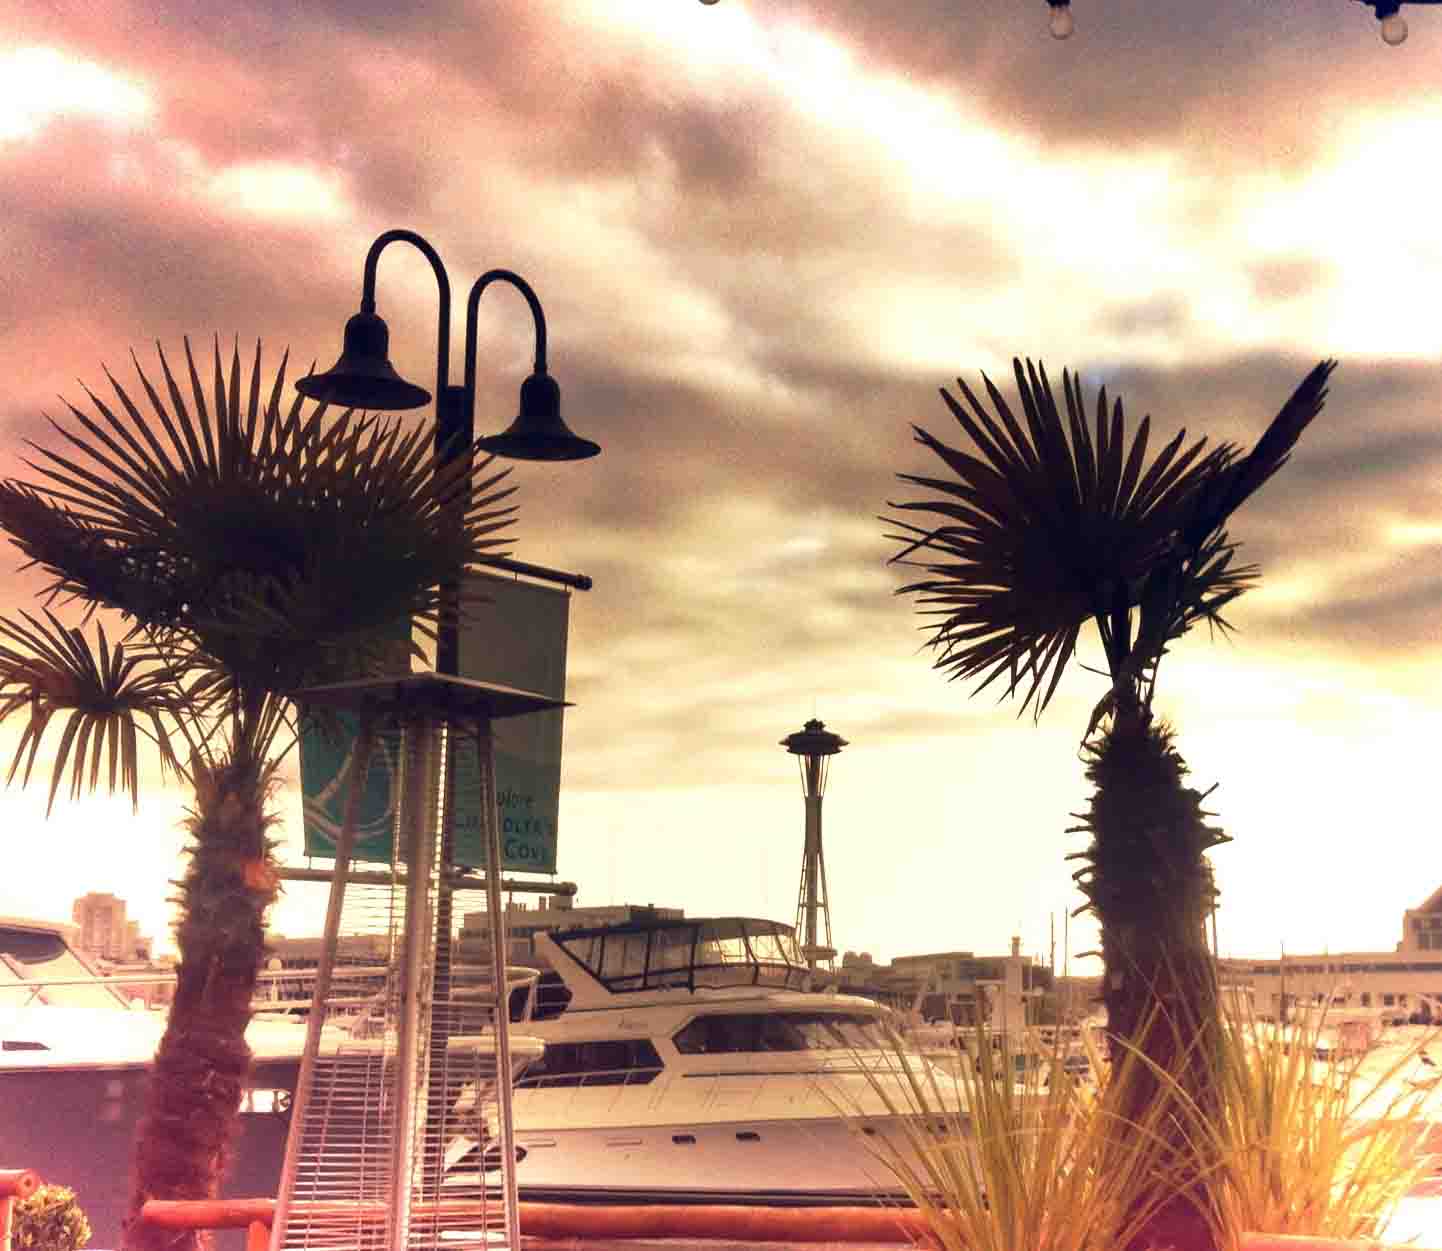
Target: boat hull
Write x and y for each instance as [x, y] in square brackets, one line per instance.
[818, 1162]
[75, 1126]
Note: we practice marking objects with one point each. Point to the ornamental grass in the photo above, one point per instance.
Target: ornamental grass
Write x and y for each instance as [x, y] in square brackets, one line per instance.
[1008, 1151]
[1317, 1141]
[1004, 1149]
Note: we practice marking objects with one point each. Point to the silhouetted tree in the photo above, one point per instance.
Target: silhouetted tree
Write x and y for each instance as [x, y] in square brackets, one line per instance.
[1041, 528]
[248, 549]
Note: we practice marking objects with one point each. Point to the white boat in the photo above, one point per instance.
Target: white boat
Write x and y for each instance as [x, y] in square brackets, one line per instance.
[75, 1060]
[1029, 1055]
[690, 1064]
[74, 1064]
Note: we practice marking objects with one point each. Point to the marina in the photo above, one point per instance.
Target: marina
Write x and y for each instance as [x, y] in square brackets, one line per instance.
[673, 1062]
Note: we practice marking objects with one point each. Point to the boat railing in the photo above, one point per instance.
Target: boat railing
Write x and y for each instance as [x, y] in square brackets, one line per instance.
[356, 990]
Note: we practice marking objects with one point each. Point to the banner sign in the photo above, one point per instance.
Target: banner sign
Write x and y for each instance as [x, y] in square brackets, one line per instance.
[514, 633]
[518, 638]
[325, 756]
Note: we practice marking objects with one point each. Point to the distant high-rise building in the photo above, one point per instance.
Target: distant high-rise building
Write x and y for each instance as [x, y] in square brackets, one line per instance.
[104, 930]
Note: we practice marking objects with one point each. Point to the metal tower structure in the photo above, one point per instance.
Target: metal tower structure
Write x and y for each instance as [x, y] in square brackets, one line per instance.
[814, 745]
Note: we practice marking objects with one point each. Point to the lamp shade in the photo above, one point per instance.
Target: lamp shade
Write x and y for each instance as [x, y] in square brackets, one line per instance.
[538, 433]
[363, 377]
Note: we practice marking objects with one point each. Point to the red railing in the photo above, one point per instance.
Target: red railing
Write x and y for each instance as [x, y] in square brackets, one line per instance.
[580, 1223]
[556, 1221]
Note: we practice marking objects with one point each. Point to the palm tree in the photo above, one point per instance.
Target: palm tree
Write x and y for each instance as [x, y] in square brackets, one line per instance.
[247, 549]
[1045, 527]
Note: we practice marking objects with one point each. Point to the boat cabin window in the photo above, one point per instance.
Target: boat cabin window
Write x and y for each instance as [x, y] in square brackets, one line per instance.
[727, 951]
[30, 956]
[778, 1031]
[607, 1062]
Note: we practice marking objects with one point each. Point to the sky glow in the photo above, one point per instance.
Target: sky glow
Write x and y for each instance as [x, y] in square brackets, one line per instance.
[40, 84]
[764, 233]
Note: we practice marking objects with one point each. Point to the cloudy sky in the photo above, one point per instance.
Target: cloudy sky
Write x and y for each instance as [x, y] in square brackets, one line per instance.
[764, 233]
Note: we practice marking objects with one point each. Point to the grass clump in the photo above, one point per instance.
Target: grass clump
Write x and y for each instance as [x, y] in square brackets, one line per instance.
[1325, 1147]
[1009, 1151]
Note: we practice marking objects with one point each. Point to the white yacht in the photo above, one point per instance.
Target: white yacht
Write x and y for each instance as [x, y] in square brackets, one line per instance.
[688, 1063]
[74, 1064]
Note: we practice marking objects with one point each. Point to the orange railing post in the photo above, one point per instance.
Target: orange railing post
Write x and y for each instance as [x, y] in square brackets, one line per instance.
[15, 1183]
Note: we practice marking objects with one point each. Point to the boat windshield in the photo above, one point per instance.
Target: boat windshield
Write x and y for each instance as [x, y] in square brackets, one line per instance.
[726, 951]
[778, 1031]
[29, 956]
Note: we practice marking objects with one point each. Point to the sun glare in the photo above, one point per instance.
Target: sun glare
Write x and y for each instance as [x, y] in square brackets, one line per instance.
[40, 84]
[280, 191]
[1415, 534]
[1385, 270]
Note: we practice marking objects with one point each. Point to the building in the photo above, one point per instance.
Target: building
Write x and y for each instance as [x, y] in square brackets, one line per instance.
[105, 932]
[1405, 984]
[1002, 992]
[304, 953]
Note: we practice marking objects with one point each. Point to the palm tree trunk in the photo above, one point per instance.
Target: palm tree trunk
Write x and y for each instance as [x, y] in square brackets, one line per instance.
[200, 1070]
[1150, 886]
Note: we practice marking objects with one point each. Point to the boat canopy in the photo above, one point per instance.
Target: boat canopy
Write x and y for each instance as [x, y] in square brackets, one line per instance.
[722, 951]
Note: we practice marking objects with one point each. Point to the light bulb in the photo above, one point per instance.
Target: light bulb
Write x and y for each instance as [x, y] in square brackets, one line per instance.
[1062, 24]
[1394, 30]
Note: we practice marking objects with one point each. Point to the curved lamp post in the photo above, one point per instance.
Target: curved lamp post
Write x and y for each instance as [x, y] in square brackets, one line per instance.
[363, 377]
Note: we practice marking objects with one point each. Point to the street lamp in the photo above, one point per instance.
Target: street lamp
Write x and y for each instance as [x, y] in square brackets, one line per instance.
[363, 377]
[1061, 22]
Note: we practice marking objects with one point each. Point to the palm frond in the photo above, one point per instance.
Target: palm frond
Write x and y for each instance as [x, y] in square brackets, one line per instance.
[1271, 452]
[1054, 519]
[106, 695]
[282, 544]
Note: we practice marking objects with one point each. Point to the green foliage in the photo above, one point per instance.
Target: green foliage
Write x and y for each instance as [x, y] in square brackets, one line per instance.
[1321, 1147]
[247, 548]
[109, 695]
[1036, 1162]
[49, 1220]
[1149, 831]
[1051, 521]
[1059, 522]
[1299, 1146]
[250, 548]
